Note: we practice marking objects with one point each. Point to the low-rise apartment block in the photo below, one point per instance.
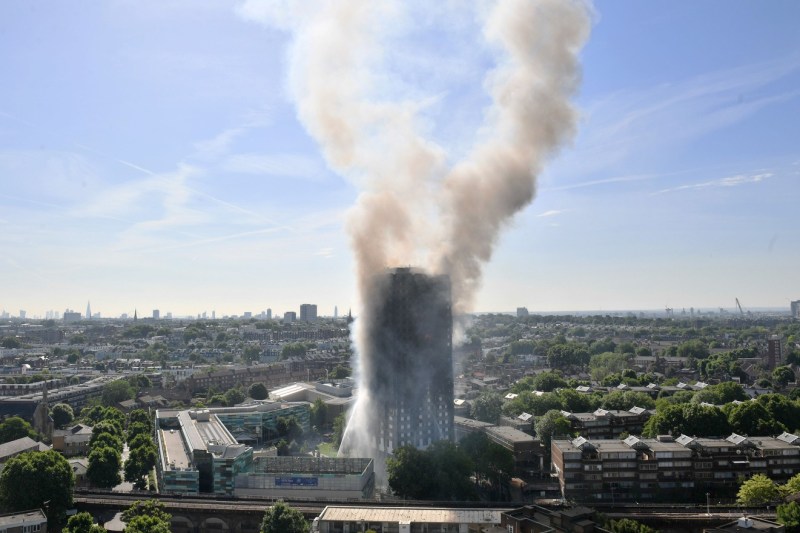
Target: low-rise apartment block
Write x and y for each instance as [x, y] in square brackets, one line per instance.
[33, 521]
[679, 469]
[608, 423]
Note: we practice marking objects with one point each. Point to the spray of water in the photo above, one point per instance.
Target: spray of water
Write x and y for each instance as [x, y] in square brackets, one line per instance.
[415, 207]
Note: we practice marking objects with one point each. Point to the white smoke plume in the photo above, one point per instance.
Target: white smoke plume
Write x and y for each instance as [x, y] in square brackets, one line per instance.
[416, 207]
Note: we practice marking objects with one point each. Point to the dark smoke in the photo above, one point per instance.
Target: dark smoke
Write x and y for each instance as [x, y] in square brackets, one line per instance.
[412, 209]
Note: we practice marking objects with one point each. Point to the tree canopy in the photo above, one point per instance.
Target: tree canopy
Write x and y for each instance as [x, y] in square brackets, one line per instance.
[487, 407]
[689, 419]
[33, 478]
[104, 467]
[628, 525]
[117, 391]
[62, 415]
[758, 490]
[789, 515]
[258, 391]
[281, 518]
[409, 472]
[82, 523]
[14, 428]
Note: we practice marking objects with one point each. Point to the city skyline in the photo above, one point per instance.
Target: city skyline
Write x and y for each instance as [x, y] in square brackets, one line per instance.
[145, 166]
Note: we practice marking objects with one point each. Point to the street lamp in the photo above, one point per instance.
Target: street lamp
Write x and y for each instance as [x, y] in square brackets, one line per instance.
[708, 503]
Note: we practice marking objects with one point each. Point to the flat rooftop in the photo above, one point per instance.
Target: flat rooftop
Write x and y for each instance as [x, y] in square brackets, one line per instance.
[176, 456]
[12, 519]
[412, 515]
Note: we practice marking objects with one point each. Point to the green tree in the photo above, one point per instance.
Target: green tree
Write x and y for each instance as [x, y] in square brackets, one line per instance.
[576, 402]
[756, 491]
[628, 525]
[729, 391]
[82, 523]
[135, 429]
[604, 364]
[33, 478]
[339, 427]
[789, 515]
[409, 472]
[281, 518]
[752, 418]
[782, 410]
[319, 413]
[251, 354]
[14, 428]
[782, 376]
[487, 407]
[340, 372]
[99, 413]
[491, 462]
[140, 381]
[10, 343]
[624, 400]
[139, 463]
[234, 396]
[140, 416]
[293, 349]
[258, 391]
[62, 415]
[689, 419]
[152, 508]
[545, 382]
[452, 470]
[117, 391]
[532, 403]
[147, 524]
[552, 423]
[792, 486]
[109, 428]
[104, 467]
[106, 440]
[695, 349]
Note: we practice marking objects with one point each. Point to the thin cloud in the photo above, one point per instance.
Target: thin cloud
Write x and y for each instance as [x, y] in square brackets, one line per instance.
[550, 213]
[326, 253]
[280, 165]
[730, 181]
[645, 123]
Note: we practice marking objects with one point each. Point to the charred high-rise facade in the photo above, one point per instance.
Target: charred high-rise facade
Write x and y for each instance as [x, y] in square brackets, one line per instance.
[410, 375]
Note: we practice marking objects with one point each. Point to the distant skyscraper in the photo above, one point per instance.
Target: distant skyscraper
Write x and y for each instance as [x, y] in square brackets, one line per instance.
[308, 312]
[247, 314]
[795, 307]
[71, 316]
[289, 316]
[775, 348]
[335, 311]
[269, 314]
[410, 374]
[156, 314]
[22, 314]
[88, 310]
[522, 311]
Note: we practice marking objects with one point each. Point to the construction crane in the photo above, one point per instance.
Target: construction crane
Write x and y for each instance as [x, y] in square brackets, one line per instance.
[739, 306]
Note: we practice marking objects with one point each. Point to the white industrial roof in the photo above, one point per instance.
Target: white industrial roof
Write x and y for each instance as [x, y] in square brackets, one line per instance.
[410, 514]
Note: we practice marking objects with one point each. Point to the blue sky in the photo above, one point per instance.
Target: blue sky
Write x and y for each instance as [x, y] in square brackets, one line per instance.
[150, 157]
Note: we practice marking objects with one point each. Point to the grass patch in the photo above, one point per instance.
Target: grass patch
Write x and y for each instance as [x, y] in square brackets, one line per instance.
[327, 449]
